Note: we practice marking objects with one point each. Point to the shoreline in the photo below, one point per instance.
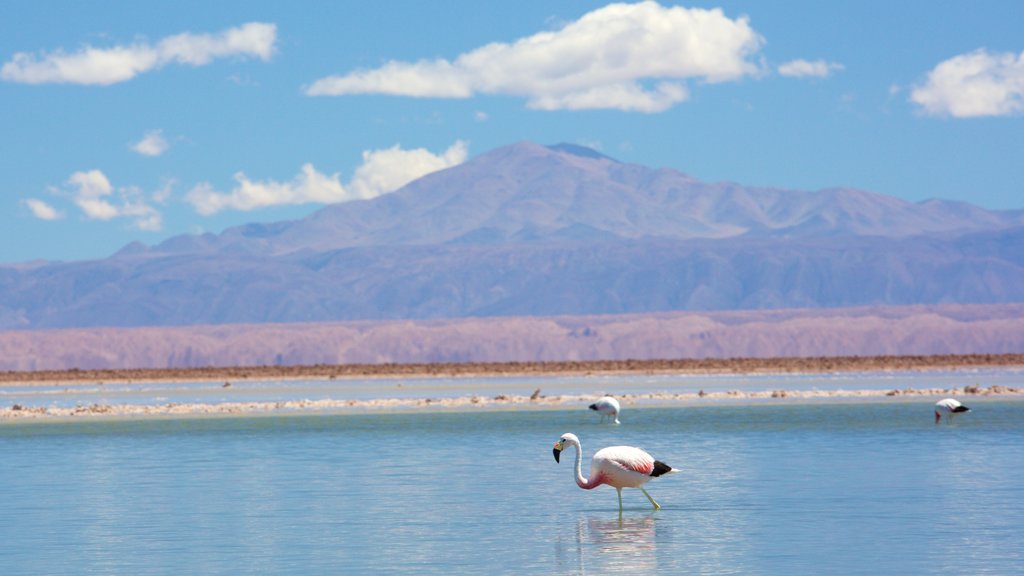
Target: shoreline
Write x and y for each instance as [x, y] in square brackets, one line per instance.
[481, 400]
[708, 366]
[476, 402]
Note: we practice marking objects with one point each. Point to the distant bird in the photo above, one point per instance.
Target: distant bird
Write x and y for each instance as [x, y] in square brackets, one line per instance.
[607, 407]
[617, 466]
[950, 407]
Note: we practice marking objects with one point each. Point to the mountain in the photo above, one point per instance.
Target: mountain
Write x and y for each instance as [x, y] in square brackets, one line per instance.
[529, 193]
[530, 230]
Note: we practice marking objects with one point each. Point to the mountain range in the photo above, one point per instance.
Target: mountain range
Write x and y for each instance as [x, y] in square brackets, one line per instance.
[806, 333]
[532, 230]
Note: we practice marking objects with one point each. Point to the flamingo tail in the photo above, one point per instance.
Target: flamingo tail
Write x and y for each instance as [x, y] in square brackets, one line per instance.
[660, 469]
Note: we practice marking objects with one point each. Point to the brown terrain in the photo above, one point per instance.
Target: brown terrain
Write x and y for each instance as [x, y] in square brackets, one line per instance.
[525, 343]
[705, 366]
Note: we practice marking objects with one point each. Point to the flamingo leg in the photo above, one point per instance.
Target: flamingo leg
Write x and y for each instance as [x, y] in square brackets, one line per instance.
[656, 505]
[619, 490]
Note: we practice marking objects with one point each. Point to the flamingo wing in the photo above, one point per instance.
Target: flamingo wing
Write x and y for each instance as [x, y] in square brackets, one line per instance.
[951, 406]
[606, 405]
[627, 458]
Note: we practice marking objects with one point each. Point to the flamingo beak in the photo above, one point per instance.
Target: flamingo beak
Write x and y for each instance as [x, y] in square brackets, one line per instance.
[557, 451]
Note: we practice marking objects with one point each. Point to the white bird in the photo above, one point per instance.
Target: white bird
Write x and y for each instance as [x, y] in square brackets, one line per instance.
[607, 407]
[617, 466]
[950, 407]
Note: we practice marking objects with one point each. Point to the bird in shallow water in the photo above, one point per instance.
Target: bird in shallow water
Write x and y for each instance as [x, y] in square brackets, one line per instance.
[950, 407]
[607, 407]
[617, 466]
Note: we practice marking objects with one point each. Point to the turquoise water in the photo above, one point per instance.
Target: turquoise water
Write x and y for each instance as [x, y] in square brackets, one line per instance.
[764, 488]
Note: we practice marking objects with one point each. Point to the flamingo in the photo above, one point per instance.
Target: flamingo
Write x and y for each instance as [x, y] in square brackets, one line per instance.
[617, 466]
[607, 406]
[949, 406]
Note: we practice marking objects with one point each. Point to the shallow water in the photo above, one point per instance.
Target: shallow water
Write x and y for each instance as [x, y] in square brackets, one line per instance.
[764, 488]
[206, 392]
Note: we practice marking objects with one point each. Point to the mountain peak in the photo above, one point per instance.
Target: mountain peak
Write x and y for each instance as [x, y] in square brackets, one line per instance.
[583, 151]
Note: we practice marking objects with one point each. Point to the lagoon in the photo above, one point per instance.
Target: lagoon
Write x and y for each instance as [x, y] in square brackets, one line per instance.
[852, 487]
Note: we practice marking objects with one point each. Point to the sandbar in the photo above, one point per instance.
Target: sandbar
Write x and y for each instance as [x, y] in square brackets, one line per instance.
[538, 399]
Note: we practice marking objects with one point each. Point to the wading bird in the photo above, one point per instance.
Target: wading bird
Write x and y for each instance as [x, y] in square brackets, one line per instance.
[950, 407]
[607, 407]
[617, 466]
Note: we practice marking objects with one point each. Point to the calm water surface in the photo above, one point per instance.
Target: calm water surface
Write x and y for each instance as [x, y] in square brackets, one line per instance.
[764, 488]
[64, 396]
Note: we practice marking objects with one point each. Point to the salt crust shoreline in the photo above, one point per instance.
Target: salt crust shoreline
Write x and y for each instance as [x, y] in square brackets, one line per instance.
[478, 402]
[503, 401]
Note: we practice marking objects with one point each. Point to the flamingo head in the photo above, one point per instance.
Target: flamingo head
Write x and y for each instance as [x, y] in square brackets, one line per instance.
[566, 440]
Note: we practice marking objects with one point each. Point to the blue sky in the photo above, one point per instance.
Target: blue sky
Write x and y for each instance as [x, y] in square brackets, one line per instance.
[136, 121]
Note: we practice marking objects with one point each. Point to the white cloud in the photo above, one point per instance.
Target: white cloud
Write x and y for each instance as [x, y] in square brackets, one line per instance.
[163, 194]
[629, 97]
[91, 191]
[94, 195]
[805, 68]
[308, 186]
[42, 210]
[134, 206]
[152, 144]
[106, 66]
[382, 171]
[437, 78]
[979, 83]
[608, 59]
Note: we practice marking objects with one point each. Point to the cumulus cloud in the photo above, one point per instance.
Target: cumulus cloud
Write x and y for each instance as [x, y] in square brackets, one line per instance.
[104, 66]
[42, 210]
[382, 171]
[805, 68]
[627, 96]
[979, 83]
[152, 144]
[631, 57]
[308, 186]
[91, 192]
[97, 198]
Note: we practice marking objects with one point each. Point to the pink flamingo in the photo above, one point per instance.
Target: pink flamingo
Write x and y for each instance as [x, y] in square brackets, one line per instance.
[950, 407]
[617, 466]
[607, 406]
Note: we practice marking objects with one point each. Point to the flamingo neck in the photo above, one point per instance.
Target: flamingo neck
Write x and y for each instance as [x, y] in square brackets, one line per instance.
[586, 484]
